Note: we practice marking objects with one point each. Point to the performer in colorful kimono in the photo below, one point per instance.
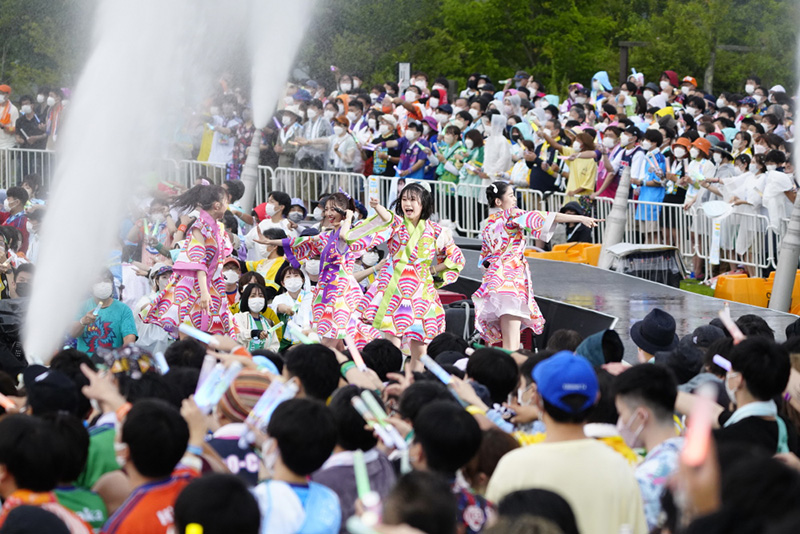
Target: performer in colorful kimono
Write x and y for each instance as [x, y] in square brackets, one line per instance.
[403, 302]
[196, 292]
[504, 303]
[337, 294]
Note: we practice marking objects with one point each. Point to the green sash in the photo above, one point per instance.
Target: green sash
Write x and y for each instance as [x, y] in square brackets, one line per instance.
[401, 260]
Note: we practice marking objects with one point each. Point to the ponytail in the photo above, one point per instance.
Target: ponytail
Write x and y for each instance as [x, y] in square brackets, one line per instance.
[202, 196]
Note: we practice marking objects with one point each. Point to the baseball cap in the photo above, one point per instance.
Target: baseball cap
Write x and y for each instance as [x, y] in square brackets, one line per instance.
[566, 374]
[49, 391]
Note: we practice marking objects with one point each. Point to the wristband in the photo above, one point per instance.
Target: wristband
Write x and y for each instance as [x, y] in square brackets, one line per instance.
[346, 366]
[123, 410]
[182, 228]
[194, 449]
[474, 410]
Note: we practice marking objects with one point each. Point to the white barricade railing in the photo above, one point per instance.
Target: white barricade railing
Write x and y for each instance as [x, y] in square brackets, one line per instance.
[749, 233]
[191, 171]
[16, 163]
[310, 185]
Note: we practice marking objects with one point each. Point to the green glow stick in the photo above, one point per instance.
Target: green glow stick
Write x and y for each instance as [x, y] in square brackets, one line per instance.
[479, 346]
[360, 470]
[300, 335]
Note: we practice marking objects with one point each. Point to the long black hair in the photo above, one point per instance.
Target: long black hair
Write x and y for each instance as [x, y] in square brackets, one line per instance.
[495, 191]
[418, 192]
[203, 196]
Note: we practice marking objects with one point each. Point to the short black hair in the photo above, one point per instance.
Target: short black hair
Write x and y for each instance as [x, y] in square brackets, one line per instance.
[150, 385]
[157, 437]
[654, 136]
[420, 394]
[447, 341]
[68, 361]
[305, 430]
[182, 382]
[73, 440]
[28, 453]
[654, 386]
[495, 191]
[575, 402]
[764, 365]
[248, 291]
[275, 233]
[752, 325]
[185, 353]
[349, 423]
[20, 193]
[382, 356]
[418, 192]
[564, 339]
[316, 367]
[448, 434]
[539, 503]
[605, 411]
[496, 370]
[282, 199]
[422, 500]
[220, 504]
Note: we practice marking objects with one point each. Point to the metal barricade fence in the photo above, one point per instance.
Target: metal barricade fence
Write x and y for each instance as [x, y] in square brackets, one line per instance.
[311, 185]
[190, 171]
[16, 163]
[745, 239]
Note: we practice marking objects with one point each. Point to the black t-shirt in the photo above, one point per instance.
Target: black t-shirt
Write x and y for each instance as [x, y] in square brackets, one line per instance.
[385, 167]
[758, 432]
[29, 128]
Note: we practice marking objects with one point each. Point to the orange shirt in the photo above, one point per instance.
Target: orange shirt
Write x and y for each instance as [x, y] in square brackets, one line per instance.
[46, 501]
[149, 509]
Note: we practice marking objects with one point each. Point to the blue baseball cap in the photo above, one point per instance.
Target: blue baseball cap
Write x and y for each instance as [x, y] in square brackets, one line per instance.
[566, 374]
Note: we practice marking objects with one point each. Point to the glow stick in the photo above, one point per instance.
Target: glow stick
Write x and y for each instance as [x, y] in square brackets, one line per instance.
[208, 365]
[6, 403]
[733, 329]
[364, 412]
[161, 362]
[259, 416]
[420, 146]
[698, 432]
[212, 378]
[360, 470]
[357, 359]
[300, 335]
[199, 335]
[97, 308]
[355, 525]
[216, 391]
[479, 346]
[8, 261]
[277, 123]
[722, 362]
[437, 370]
[381, 415]
[275, 328]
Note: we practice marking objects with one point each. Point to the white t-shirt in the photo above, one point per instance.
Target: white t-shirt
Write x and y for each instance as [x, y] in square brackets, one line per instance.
[9, 140]
[595, 480]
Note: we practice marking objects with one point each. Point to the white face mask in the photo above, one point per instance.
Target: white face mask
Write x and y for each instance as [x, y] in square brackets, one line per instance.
[2, 99]
[256, 304]
[426, 129]
[372, 123]
[717, 158]
[771, 167]
[576, 146]
[753, 167]
[749, 88]
[631, 437]
[293, 284]
[508, 110]
[663, 84]
[547, 131]
[759, 98]
[608, 142]
[286, 120]
[40, 98]
[346, 87]
[441, 118]
[581, 100]
[351, 116]
[648, 94]
[231, 276]
[51, 101]
[356, 83]
[473, 112]
[694, 152]
[312, 114]
[102, 290]
[624, 139]
[338, 130]
[457, 110]
[6, 205]
[270, 209]
[721, 103]
[317, 214]
[383, 129]
[679, 152]
[330, 114]
[469, 144]
[312, 267]
[692, 111]
[370, 258]
[647, 145]
[26, 109]
[737, 143]
[411, 135]
[433, 103]
[410, 96]
[685, 89]
[760, 149]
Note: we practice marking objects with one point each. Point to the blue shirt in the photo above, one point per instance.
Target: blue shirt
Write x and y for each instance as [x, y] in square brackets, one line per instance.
[109, 328]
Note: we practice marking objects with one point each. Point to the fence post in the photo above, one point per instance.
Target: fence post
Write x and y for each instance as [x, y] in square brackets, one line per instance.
[781, 299]
[617, 218]
[250, 172]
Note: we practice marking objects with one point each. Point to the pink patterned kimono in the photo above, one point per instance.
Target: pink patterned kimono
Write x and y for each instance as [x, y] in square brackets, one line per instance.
[506, 287]
[178, 302]
[403, 301]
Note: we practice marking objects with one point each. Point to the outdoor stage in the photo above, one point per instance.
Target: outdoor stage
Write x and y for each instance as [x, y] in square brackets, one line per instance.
[625, 297]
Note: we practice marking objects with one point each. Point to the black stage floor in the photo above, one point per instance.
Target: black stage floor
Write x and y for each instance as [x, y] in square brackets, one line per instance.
[625, 297]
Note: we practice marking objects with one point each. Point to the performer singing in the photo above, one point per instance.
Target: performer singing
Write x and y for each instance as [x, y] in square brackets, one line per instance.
[196, 292]
[504, 303]
[403, 302]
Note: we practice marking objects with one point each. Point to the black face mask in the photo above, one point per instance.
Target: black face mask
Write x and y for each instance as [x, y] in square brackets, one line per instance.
[472, 84]
[24, 289]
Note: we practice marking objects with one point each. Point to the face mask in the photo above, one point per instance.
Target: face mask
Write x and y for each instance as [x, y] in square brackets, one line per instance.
[270, 209]
[340, 107]
[441, 118]
[749, 88]
[576, 146]
[373, 97]
[433, 103]
[542, 103]
[737, 171]
[410, 96]
[102, 290]
[547, 131]
[312, 114]
[422, 84]
[735, 109]
[383, 129]
[351, 116]
[29, 227]
[737, 143]
[40, 98]
[759, 98]
[771, 167]
[293, 284]
[329, 114]
[581, 100]
[26, 109]
[753, 167]
[24, 289]
[663, 84]
[685, 89]
[312, 267]
[2, 98]
[694, 152]
[6, 205]
[256, 304]
[372, 123]
[449, 139]
[370, 258]
[717, 158]
[231, 276]
[508, 110]
[356, 83]
[679, 152]
[760, 149]
[469, 144]
[480, 87]
[426, 129]
[624, 139]
[608, 142]
[720, 103]
[647, 145]
[346, 87]
[692, 111]
[295, 217]
[597, 86]
[474, 113]
[631, 437]
[317, 214]
[648, 94]
[338, 130]
[51, 101]
[286, 120]
[411, 135]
